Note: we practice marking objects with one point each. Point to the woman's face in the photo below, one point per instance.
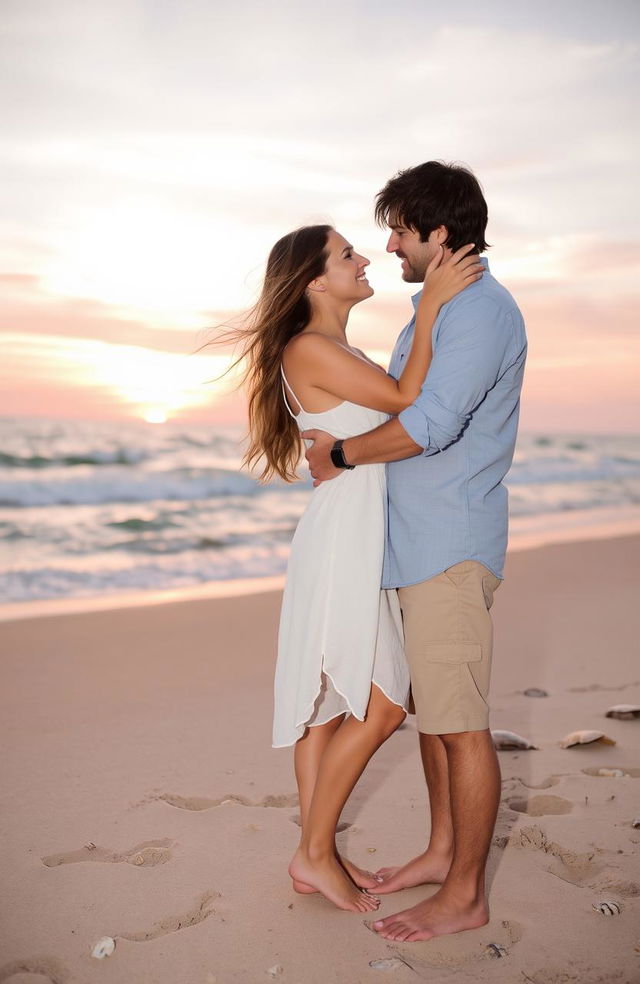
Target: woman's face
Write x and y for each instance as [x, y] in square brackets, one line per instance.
[344, 276]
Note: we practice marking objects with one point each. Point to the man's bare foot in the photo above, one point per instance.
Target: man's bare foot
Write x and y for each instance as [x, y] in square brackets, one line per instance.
[439, 915]
[427, 869]
[362, 878]
[327, 876]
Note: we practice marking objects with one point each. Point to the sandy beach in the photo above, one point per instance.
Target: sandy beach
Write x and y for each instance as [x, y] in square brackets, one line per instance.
[142, 800]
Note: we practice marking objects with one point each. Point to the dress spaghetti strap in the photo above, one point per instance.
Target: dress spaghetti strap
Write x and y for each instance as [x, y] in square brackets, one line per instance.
[286, 387]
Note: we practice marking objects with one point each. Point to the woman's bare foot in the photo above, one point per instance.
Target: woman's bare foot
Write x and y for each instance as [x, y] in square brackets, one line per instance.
[326, 875]
[428, 868]
[439, 915]
[362, 878]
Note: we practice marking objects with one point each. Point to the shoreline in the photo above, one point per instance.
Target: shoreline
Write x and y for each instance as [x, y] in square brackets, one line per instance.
[568, 527]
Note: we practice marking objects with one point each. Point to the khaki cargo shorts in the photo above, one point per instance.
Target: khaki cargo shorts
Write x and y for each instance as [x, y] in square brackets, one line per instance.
[448, 641]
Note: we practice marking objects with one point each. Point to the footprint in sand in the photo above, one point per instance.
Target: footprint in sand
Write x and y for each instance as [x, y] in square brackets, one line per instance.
[145, 855]
[34, 970]
[541, 806]
[545, 784]
[231, 799]
[571, 866]
[172, 924]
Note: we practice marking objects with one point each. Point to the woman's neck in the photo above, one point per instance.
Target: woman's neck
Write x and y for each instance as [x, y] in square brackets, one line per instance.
[330, 322]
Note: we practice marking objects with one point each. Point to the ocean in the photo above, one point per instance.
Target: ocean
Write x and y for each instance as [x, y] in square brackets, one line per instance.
[93, 509]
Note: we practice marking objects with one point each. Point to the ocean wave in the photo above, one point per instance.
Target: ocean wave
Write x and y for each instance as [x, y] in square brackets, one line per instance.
[120, 485]
[61, 582]
[120, 456]
[567, 469]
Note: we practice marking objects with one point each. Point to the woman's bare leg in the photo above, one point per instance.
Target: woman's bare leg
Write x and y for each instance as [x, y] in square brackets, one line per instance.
[344, 759]
[307, 755]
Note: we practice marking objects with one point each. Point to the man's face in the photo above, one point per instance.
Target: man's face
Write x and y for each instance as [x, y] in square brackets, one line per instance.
[415, 255]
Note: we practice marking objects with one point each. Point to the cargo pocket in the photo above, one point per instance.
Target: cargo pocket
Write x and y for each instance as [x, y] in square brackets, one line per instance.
[453, 652]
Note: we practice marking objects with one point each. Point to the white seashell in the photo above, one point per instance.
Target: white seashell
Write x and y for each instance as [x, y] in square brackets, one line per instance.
[103, 948]
[585, 738]
[495, 950]
[534, 692]
[607, 908]
[624, 712]
[390, 963]
[509, 739]
[275, 971]
[612, 773]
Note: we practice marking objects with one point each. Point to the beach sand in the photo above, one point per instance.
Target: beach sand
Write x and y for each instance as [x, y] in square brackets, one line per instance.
[142, 800]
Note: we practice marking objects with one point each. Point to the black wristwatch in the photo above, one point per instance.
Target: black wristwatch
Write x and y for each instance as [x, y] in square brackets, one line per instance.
[337, 456]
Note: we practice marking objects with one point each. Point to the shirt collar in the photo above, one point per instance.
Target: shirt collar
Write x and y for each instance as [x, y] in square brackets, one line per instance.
[415, 300]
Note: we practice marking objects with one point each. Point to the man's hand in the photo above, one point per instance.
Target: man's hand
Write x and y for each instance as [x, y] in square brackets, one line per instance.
[320, 464]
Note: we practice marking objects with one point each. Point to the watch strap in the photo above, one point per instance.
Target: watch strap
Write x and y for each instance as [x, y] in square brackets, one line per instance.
[337, 456]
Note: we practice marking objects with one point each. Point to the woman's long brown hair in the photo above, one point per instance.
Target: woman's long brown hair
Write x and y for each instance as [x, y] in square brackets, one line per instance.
[282, 311]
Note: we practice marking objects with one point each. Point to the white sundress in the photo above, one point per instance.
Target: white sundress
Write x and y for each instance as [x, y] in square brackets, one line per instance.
[339, 632]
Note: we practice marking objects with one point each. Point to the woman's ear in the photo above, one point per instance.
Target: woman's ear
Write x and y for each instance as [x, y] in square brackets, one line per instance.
[317, 286]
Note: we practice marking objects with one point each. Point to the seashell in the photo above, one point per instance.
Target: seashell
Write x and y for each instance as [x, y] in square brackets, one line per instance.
[585, 738]
[503, 740]
[607, 908]
[275, 971]
[624, 712]
[495, 950]
[390, 963]
[612, 773]
[635, 822]
[535, 692]
[103, 948]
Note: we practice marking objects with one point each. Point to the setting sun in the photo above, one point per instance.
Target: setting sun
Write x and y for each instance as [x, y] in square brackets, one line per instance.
[155, 417]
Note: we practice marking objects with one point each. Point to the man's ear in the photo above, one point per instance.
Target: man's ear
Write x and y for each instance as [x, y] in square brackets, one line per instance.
[441, 235]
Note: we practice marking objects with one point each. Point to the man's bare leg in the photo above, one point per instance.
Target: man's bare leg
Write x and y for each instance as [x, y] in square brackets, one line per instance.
[342, 764]
[460, 903]
[434, 863]
[307, 755]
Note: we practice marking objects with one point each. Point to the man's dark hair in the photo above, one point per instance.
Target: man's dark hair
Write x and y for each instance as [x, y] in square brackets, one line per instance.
[434, 194]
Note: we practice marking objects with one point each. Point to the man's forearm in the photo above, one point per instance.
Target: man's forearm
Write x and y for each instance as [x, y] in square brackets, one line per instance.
[389, 442]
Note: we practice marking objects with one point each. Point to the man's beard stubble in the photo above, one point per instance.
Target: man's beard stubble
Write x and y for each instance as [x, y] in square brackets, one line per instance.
[412, 275]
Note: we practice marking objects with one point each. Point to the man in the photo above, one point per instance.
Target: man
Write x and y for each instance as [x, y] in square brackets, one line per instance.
[447, 535]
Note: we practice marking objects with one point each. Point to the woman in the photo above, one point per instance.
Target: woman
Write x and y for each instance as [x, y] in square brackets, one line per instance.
[342, 682]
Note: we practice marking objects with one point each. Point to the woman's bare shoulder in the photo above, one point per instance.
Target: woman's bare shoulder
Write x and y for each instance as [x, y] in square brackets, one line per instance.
[308, 344]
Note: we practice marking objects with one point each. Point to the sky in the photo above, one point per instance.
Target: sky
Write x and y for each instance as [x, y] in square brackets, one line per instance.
[153, 152]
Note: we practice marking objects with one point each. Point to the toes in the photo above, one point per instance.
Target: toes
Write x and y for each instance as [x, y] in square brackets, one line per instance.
[371, 903]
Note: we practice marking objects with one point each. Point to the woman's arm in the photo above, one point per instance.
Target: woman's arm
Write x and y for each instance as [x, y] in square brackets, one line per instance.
[330, 367]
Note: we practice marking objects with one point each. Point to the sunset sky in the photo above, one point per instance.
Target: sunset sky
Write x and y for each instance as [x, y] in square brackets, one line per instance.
[152, 152]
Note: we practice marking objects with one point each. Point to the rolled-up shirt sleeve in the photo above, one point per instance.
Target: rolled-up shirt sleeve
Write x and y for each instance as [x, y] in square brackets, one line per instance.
[475, 344]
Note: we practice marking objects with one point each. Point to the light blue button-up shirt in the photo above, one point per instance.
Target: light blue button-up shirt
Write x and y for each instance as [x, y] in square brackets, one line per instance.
[448, 504]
